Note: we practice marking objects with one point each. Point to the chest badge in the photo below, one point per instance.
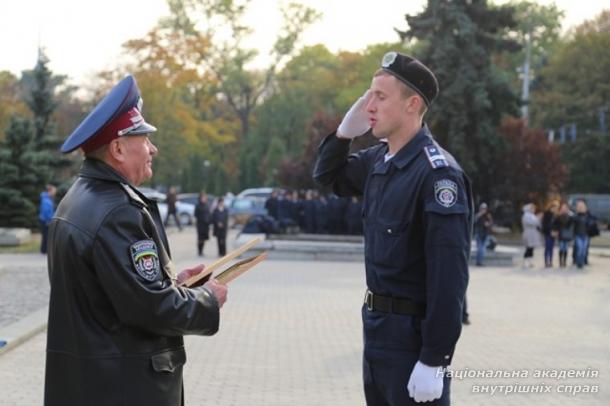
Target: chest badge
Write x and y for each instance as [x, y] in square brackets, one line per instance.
[445, 192]
[145, 259]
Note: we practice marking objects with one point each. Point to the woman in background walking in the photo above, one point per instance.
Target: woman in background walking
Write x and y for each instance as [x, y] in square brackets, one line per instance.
[531, 233]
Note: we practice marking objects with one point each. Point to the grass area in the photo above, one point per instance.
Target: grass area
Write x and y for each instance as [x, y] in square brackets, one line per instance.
[30, 247]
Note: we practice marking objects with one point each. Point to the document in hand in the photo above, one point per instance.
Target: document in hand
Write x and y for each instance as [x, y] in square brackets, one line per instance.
[233, 271]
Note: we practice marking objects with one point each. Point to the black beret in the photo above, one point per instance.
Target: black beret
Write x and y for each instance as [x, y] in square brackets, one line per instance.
[413, 73]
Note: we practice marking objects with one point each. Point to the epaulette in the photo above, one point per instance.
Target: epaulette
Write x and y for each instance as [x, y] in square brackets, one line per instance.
[133, 195]
[435, 157]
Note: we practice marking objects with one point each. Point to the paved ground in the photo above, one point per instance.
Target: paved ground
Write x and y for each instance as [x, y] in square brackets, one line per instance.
[290, 335]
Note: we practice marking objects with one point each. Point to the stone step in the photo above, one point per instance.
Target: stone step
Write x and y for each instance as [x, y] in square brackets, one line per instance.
[326, 250]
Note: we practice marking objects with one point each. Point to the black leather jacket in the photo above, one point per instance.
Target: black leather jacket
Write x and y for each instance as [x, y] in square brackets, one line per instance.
[116, 316]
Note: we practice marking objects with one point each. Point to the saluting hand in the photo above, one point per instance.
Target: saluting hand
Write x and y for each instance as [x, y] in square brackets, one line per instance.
[356, 121]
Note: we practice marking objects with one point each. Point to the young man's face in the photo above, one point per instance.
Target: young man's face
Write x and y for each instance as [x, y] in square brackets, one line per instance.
[387, 107]
[139, 151]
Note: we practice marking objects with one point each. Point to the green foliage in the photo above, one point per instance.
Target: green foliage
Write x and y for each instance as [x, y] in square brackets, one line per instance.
[573, 88]
[588, 163]
[540, 25]
[576, 82]
[460, 38]
[23, 174]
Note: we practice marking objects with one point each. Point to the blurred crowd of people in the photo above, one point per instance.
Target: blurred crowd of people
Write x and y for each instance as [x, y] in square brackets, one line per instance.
[313, 213]
[558, 225]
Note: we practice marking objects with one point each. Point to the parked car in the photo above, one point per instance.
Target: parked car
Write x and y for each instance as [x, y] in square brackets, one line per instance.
[184, 210]
[242, 208]
[263, 192]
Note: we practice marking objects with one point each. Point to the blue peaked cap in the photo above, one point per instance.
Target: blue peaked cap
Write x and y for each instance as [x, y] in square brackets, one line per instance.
[122, 98]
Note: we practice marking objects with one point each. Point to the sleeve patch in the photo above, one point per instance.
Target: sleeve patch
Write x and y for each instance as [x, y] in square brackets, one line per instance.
[445, 192]
[145, 259]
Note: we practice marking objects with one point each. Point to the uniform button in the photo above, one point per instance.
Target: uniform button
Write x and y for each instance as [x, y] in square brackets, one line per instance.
[446, 356]
[389, 231]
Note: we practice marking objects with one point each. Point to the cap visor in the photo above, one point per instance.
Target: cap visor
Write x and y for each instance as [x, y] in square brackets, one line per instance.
[145, 128]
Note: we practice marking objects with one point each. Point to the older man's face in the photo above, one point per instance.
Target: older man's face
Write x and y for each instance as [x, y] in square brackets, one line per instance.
[139, 151]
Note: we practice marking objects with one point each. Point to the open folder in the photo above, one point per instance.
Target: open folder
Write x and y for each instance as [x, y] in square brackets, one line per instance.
[234, 270]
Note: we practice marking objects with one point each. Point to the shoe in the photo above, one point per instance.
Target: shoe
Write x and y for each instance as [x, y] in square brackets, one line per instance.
[466, 321]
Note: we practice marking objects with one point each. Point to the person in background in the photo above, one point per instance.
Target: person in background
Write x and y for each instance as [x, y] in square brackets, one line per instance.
[581, 235]
[271, 205]
[564, 227]
[482, 230]
[220, 219]
[549, 232]
[45, 214]
[202, 219]
[531, 233]
[171, 200]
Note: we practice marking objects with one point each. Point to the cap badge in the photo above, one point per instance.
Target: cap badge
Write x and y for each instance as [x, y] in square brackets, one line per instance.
[388, 59]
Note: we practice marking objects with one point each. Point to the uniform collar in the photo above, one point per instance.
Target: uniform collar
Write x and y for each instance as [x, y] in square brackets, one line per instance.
[96, 169]
[411, 149]
[407, 153]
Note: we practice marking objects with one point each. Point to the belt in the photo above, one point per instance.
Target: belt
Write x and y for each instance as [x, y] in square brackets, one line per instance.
[388, 304]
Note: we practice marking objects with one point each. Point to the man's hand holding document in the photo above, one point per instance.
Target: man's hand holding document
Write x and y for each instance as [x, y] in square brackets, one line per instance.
[199, 276]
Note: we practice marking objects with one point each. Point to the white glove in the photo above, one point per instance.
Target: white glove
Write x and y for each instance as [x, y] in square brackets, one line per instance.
[356, 121]
[425, 383]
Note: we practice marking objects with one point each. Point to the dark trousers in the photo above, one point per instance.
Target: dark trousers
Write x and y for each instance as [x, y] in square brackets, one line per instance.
[391, 350]
[44, 232]
[386, 375]
[549, 244]
[222, 246]
[176, 220]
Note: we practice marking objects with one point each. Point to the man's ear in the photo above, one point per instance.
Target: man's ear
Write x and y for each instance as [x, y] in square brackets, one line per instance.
[415, 104]
[116, 150]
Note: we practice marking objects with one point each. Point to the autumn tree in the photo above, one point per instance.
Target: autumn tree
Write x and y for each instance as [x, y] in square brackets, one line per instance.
[531, 165]
[239, 85]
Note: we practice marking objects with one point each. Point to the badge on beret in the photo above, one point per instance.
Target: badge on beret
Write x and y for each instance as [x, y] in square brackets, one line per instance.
[445, 192]
[145, 259]
[388, 59]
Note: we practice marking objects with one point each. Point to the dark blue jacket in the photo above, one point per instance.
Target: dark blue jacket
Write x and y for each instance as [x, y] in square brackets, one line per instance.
[417, 228]
[46, 210]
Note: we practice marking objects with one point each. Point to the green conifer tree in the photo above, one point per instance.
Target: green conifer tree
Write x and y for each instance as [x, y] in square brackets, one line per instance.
[23, 175]
[459, 39]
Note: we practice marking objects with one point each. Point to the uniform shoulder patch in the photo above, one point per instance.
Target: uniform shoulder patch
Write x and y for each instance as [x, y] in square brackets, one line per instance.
[445, 192]
[435, 157]
[145, 259]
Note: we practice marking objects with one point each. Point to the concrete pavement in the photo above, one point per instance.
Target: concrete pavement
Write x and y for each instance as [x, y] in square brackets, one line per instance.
[290, 335]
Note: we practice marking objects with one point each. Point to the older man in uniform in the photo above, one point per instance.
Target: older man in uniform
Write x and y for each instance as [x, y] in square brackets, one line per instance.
[417, 227]
[116, 312]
